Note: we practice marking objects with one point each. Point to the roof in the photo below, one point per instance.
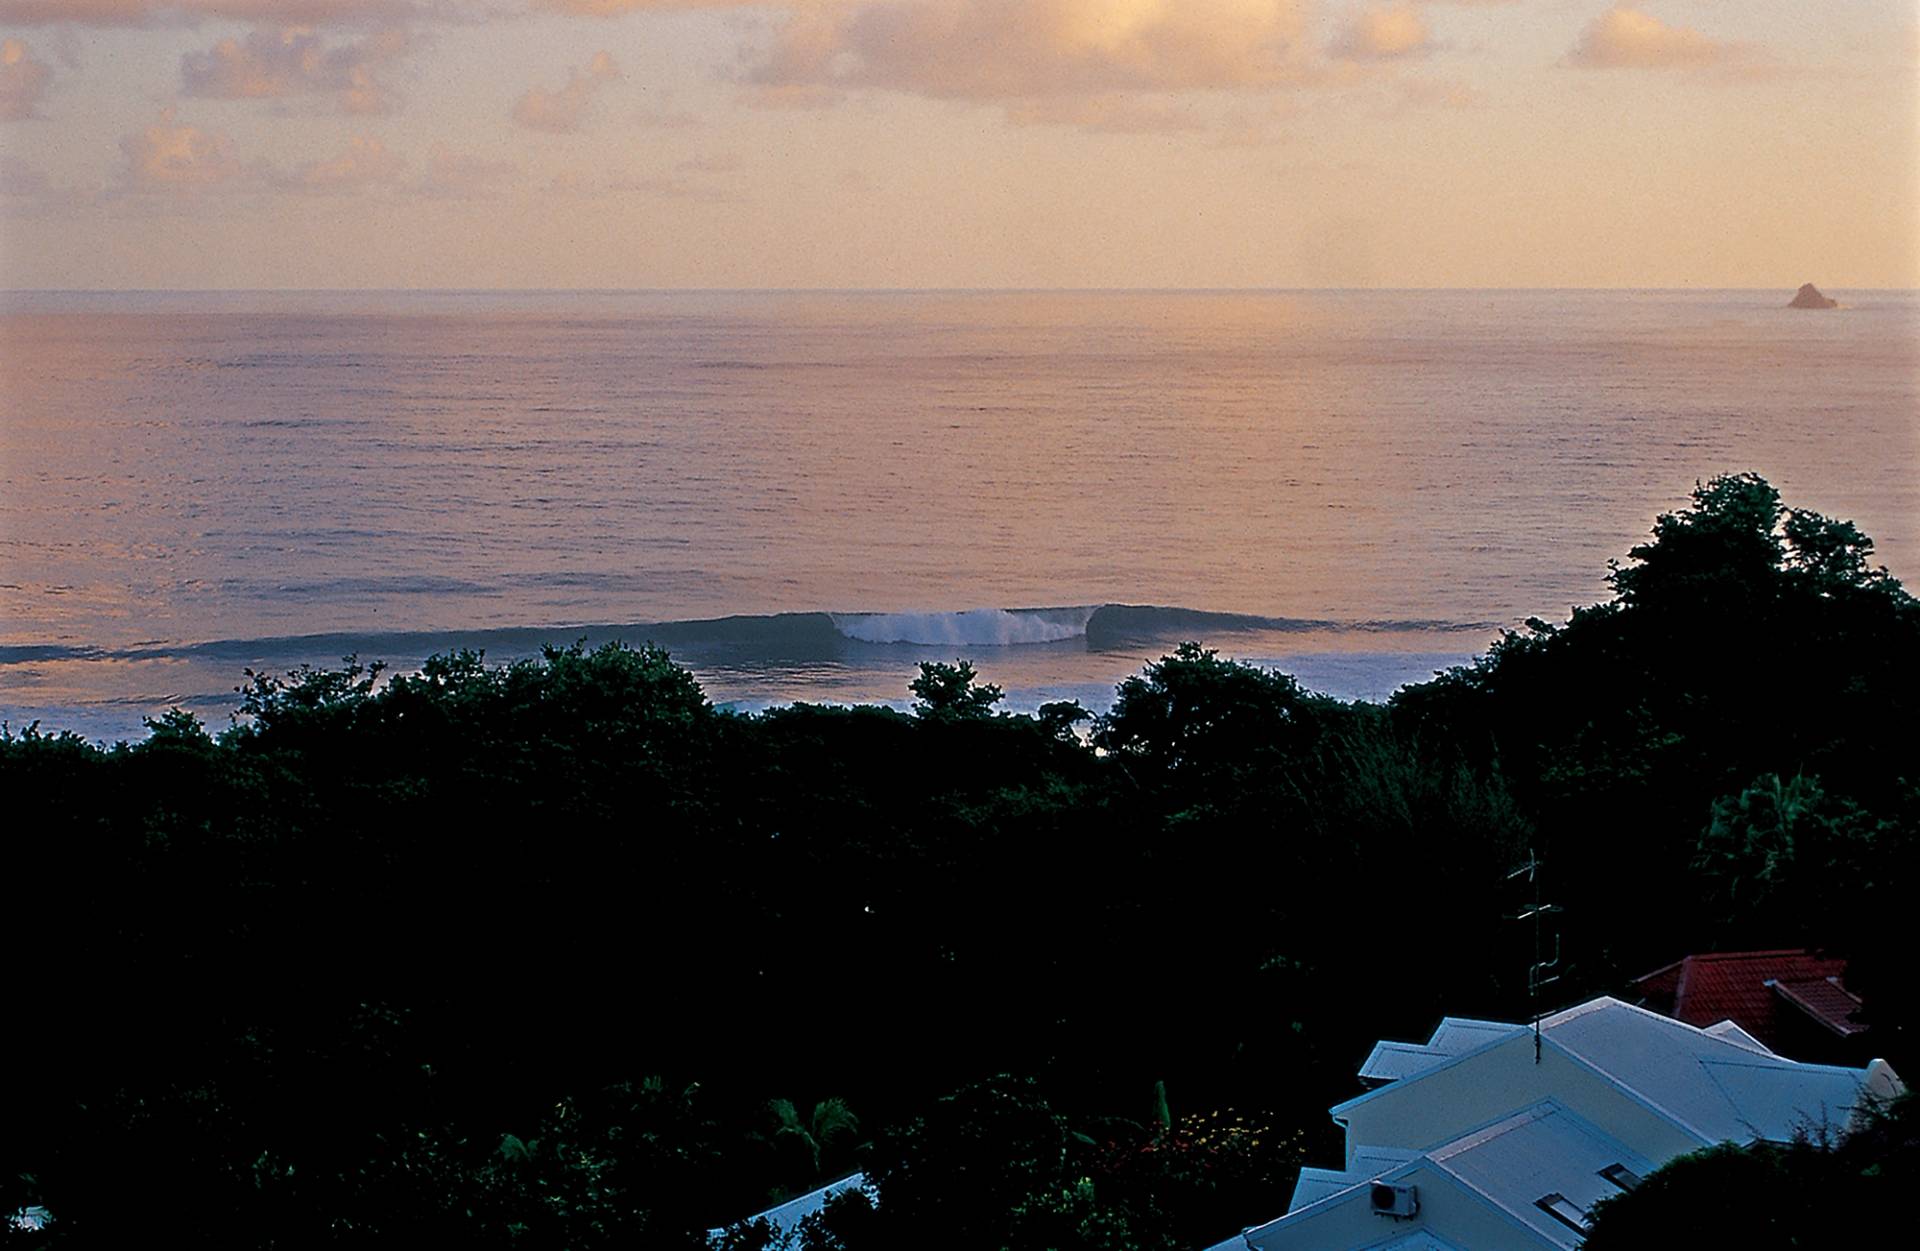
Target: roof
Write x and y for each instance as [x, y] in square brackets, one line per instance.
[1716, 1086]
[789, 1214]
[1542, 1152]
[1689, 1076]
[1418, 1240]
[1455, 1036]
[1750, 988]
[1825, 1000]
[1543, 1166]
[1316, 1184]
[1732, 1033]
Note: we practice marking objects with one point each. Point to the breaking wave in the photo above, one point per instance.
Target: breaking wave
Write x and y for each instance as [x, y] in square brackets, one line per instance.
[973, 627]
[773, 638]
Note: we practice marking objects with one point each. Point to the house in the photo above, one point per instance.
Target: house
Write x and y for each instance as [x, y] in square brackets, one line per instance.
[1489, 1136]
[1794, 1001]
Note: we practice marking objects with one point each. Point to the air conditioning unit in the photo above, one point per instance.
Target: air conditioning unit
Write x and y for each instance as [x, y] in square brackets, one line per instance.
[1389, 1199]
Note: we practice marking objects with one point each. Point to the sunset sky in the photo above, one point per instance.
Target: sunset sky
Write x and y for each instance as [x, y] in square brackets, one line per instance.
[958, 143]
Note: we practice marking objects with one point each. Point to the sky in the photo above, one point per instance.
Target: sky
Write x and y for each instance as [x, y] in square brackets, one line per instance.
[207, 144]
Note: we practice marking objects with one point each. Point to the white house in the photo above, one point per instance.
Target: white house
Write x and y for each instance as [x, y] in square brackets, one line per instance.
[1484, 1138]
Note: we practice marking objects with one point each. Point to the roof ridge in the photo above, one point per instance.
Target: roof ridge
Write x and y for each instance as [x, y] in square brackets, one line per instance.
[1538, 1110]
[1757, 955]
[1598, 1004]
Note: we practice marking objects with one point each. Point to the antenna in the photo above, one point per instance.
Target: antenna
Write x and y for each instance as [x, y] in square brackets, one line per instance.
[1537, 972]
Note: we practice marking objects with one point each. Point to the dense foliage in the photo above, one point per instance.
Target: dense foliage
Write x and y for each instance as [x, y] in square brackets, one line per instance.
[1825, 1189]
[557, 954]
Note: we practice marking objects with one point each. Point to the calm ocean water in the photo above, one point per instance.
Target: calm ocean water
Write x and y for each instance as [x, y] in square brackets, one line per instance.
[1372, 483]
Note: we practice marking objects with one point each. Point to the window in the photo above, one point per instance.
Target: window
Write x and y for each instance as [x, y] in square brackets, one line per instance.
[1562, 1209]
[1621, 1176]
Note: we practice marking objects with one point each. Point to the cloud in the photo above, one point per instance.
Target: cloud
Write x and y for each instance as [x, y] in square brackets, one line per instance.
[1383, 32]
[1626, 38]
[173, 156]
[162, 12]
[1024, 49]
[461, 176]
[296, 62]
[366, 162]
[562, 110]
[23, 81]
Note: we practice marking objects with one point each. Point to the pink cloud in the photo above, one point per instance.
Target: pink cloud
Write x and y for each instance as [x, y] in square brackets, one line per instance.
[562, 110]
[1383, 32]
[173, 156]
[296, 62]
[23, 81]
[1015, 49]
[1626, 38]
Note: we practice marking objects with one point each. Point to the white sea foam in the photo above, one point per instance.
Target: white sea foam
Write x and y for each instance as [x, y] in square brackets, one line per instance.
[973, 627]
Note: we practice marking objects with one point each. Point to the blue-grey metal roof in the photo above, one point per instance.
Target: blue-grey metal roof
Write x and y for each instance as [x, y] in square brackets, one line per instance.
[1544, 1150]
[1722, 1089]
[788, 1215]
[1391, 1061]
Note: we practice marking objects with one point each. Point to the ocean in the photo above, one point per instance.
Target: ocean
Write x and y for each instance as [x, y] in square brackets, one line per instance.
[803, 495]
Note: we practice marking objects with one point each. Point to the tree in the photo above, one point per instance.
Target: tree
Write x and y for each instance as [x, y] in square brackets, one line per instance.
[946, 692]
[810, 1138]
[1831, 557]
[1821, 1190]
[1057, 719]
[1719, 554]
[1194, 711]
[999, 1135]
[1783, 856]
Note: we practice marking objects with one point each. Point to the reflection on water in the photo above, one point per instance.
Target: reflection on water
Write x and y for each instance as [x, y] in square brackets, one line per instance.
[179, 470]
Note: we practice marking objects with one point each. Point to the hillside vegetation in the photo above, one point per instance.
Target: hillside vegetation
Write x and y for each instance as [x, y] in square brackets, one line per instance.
[556, 954]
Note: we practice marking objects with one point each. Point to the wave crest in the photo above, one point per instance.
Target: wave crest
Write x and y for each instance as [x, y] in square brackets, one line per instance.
[972, 627]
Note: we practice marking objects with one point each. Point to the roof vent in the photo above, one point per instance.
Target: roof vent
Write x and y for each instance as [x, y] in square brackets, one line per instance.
[1388, 1199]
[1561, 1209]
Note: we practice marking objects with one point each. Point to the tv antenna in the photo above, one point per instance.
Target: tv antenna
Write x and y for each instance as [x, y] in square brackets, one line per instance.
[1540, 973]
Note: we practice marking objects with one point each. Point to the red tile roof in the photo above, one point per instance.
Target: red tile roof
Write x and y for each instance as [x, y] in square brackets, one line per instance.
[1752, 989]
[1825, 1000]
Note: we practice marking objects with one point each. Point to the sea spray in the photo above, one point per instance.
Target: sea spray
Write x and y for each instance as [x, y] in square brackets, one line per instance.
[972, 627]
